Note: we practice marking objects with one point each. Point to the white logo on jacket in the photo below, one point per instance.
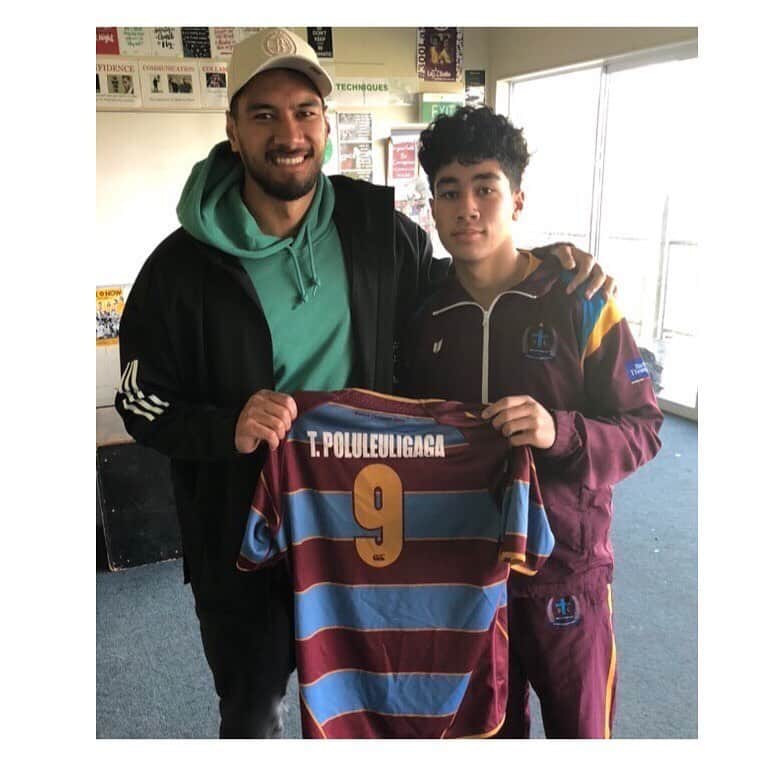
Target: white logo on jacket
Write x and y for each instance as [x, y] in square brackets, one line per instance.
[438, 345]
[134, 398]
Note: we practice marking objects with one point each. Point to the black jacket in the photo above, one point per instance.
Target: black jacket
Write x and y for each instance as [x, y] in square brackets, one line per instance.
[195, 345]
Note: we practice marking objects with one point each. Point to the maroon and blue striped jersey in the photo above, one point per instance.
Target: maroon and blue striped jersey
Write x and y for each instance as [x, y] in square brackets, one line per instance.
[399, 520]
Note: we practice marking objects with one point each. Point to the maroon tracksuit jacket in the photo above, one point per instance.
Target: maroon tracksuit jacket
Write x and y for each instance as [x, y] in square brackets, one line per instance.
[579, 360]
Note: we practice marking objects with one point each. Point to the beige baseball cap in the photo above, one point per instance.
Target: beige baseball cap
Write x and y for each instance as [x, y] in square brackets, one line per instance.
[274, 49]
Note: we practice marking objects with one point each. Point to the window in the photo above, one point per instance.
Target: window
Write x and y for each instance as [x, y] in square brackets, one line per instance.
[615, 169]
[558, 182]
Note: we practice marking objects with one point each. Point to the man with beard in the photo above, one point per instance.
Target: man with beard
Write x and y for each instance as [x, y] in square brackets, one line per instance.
[280, 279]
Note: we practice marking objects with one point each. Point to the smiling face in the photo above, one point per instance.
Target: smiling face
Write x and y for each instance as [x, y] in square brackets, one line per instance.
[279, 130]
[474, 207]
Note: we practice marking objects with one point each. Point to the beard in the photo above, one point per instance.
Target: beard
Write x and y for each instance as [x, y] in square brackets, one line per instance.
[263, 173]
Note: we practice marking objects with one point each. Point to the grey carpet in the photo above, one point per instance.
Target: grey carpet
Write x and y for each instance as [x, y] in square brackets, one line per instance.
[153, 682]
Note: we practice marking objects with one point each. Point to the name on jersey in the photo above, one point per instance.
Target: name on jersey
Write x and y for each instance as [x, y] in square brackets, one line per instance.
[354, 444]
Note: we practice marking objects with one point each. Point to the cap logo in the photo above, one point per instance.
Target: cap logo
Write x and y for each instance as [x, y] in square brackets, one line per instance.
[279, 43]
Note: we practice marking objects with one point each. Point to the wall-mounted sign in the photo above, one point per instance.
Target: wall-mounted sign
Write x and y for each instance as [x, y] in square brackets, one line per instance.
[373, 91]
[433, 104]
[320, 39]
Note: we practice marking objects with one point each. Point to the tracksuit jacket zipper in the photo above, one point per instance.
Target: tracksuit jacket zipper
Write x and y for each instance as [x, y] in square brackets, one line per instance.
[485, 328]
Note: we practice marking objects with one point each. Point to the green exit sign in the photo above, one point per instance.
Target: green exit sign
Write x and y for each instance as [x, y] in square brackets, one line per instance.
[430, 109]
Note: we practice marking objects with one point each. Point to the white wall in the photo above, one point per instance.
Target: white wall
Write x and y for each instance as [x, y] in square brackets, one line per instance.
[142, 162]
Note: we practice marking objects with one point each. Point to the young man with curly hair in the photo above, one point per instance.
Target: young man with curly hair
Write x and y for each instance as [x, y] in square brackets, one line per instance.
[558, 372]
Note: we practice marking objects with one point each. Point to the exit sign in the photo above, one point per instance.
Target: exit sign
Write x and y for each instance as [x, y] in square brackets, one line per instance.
[434, 104]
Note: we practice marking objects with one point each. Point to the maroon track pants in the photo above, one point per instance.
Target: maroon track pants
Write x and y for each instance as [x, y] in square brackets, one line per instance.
[564, 647]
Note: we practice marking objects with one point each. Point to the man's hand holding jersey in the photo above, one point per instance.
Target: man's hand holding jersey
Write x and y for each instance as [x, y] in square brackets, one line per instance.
[523, 420]
[266, 416]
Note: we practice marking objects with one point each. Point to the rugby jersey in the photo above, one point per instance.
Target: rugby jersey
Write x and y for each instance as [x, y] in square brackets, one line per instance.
[399, 520]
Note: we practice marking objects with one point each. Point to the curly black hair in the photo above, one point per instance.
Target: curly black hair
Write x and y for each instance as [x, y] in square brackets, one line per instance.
[472, 135]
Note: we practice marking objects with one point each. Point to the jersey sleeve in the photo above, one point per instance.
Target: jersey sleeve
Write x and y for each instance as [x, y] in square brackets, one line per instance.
[618, 431]
[265, 541]
[527, 539]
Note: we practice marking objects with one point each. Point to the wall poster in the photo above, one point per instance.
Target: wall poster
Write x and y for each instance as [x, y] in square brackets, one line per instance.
[355, 139]
[440, 54]
[117, 83]
[213, 85]
[170, 85]
[475, 80]
[107, 41]
[135, 41]
[110, 301]
[196, 42]
[222, 40]
[320, 39]
[167, 41]
[411, 193]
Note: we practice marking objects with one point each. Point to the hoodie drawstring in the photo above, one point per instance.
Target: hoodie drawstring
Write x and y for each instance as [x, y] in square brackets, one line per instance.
[315, 283]
[296, 266]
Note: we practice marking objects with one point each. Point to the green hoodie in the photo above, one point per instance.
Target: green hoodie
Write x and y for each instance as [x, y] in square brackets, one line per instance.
[301, 281]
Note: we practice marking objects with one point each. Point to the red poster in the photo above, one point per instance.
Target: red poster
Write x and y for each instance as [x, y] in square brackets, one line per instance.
[107, 42]
[404, 160]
